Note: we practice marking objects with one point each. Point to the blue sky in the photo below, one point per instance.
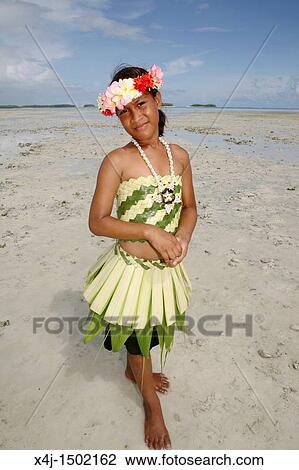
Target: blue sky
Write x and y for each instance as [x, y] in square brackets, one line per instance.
[203, 48]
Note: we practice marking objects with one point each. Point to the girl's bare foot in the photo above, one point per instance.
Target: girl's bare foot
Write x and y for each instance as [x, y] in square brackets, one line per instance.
[155, 432]
[160, 380]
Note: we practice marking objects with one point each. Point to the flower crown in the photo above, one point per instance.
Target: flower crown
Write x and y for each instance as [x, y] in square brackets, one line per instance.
[120, 93]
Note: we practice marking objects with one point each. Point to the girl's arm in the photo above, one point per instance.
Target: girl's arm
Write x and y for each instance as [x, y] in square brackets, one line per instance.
[100, 221]
[189, 215]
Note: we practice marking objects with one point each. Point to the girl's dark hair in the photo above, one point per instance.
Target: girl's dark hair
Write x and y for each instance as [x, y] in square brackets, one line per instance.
[129, 71]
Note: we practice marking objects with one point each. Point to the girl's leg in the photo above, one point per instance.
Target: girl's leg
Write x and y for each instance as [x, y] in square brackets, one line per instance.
[155, 432]
[161, 382]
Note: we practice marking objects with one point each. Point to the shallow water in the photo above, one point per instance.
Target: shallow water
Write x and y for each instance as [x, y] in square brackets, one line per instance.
[24, 126]
[260, 147]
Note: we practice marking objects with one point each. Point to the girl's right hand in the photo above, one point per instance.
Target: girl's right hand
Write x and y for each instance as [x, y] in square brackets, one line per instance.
[164, 242]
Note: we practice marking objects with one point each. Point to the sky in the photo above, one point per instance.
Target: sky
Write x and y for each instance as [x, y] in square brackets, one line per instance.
[224, 52]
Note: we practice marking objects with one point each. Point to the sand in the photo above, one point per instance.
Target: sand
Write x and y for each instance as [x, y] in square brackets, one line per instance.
[227, 392]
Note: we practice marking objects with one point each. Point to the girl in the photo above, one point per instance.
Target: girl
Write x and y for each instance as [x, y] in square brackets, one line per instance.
[138, 290]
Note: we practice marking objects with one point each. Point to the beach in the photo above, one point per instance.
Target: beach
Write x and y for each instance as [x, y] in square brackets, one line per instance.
[231, 387]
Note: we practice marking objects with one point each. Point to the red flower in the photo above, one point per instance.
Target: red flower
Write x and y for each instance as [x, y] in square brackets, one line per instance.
[107, 112]
[143, 82]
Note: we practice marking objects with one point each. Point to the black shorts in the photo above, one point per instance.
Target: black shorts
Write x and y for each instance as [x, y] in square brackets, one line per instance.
[131, 343]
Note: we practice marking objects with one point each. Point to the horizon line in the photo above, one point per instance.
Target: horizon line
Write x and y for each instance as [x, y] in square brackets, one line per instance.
[169, 106]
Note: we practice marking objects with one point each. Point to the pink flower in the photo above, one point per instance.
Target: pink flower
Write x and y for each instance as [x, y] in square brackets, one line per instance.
[157, 74]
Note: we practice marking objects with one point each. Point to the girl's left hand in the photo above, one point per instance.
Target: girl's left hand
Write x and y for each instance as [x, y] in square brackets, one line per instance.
[184, 244]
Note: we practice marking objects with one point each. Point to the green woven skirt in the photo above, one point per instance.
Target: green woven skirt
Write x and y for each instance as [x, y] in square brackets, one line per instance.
[130, 294]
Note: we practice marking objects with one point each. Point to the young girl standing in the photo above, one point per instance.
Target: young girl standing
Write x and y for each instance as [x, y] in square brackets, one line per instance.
[138, 291]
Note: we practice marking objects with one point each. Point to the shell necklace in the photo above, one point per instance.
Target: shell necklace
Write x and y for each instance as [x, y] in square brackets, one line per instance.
[166, 192]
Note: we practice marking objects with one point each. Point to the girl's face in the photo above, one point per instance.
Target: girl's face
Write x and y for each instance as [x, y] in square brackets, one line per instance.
[140, 117]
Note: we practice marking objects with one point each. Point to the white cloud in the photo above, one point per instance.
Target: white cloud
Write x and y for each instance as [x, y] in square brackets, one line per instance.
[16, 14]
[157, 26]
[270, 86]
[203, 6]
[88, 21]
[89, 16]
[134, 9]
[182, 65]
[262, 91]
[211, 29]
[23, 71]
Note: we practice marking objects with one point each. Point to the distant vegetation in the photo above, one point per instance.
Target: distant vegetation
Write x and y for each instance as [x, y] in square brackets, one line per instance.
[37, 106]
[88, 105]
[204, 105]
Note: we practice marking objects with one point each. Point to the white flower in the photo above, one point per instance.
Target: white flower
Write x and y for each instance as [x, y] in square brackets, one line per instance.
[168, 208]
[157, 197]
